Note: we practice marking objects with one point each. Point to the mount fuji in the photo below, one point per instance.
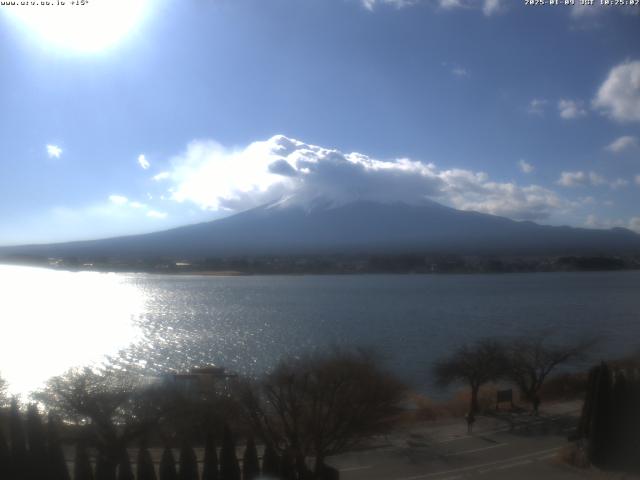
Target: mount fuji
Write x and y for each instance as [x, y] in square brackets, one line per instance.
[356, 227]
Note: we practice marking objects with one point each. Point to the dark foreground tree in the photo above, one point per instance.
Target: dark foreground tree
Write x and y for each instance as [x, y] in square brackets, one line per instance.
[5, 457]
[82, 466]
[125, 472]
[210, 467]
[532, 359]
[322, 405]
[144, 469]
[37, 443]
[168, 465]
[229, 467]
[287, 466]
[105, 467]
[19, 458]
[597, 415]
[474, 365]
[56, 462]
[270, 462]
[250, 463]
[624, 432]
[610, 419]
[188, 463]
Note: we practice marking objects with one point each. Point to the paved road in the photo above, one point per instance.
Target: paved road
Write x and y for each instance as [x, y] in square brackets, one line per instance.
[504, 446]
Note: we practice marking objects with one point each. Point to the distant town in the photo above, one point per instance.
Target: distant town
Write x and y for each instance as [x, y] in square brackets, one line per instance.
[335, 264]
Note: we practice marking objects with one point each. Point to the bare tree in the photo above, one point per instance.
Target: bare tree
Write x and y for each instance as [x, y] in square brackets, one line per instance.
[192, 416]
[3, 392]
[532, 359]
[475, 365]
[321, 405]
[112, 406]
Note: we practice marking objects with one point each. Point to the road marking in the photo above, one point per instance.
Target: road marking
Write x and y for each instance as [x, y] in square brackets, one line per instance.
[547, 457]
[482, 465]
[505, 467]
[475, 450]
[353, 469]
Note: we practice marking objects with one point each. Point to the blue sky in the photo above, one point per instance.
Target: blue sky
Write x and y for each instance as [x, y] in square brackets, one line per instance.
[170, 112]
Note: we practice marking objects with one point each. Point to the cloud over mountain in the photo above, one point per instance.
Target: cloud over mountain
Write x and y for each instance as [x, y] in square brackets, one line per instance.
[291, 171]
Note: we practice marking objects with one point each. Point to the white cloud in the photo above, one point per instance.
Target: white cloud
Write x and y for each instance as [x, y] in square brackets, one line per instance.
[593, 221]
[570, 109]
[102, 219]
[537, 106]
[156, 214]
[618, 183]
[491, 6]
[292, 172]
[587, 201]
[371, 4]
[456, 70]
[597, 179]
[531, 202]
[619, 96]
[582, 11]
[488, 7]
[122, 201]
[118, 199]
[637, 180]
[459, 72]
[583, 179]
[525, 167]
[215, 178]
[573, 179]
[143, 162]
[590, 16]
[451, 3]
[54, 151]
[621, 144]
[161, 176]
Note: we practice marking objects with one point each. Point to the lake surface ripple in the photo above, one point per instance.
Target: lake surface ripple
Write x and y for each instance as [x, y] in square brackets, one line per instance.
[53, 320]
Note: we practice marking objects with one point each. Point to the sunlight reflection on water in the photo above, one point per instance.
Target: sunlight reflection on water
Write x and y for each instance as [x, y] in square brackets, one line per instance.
[152, 324]
[45, 325]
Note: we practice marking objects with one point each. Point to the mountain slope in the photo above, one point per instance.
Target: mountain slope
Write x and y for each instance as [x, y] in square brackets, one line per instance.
[358, 227]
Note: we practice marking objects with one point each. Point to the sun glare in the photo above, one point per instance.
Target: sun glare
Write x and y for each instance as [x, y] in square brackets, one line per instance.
[55, 320]
[77, 25]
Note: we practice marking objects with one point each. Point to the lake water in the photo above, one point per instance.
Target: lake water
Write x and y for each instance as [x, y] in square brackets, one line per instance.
[53, 320]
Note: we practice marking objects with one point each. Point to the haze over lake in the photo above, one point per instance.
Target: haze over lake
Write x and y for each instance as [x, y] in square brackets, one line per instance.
[53, 320]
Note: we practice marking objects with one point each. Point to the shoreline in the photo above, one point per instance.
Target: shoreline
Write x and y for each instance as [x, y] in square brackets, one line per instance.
[337, 272]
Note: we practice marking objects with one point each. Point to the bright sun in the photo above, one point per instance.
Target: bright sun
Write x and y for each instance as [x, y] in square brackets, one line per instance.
[77, 25]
